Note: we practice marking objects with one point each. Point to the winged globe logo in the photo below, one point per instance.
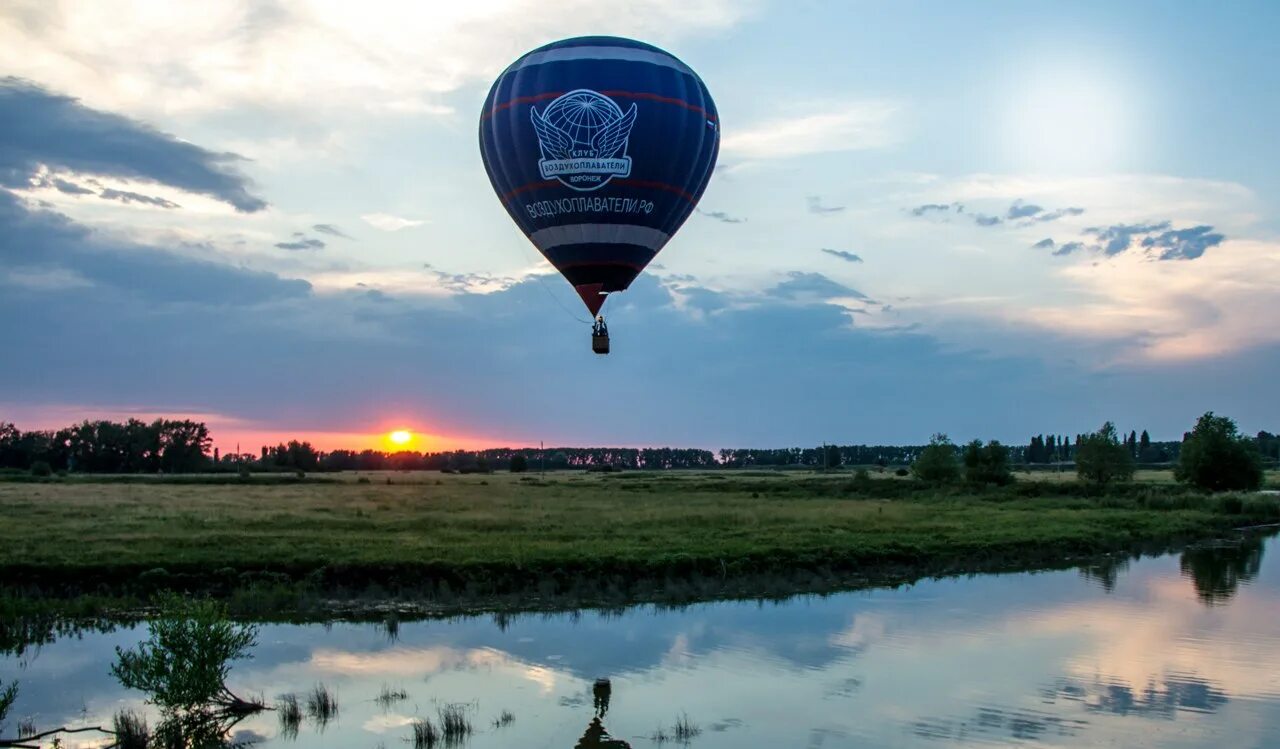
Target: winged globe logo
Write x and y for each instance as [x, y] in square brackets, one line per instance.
[583, 137]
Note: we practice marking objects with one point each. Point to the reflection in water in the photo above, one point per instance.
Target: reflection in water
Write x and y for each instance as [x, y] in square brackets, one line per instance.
[1176, 692]
[596, 737]
[1106, 571]
[1124, 653]
[1217, 570]
[995, 723]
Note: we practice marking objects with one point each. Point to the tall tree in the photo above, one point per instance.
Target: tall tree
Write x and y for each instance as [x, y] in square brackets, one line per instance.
[1101, 459]
[1216, 457]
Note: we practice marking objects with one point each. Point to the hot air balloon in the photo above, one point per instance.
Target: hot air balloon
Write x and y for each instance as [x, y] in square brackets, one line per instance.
[599, 148]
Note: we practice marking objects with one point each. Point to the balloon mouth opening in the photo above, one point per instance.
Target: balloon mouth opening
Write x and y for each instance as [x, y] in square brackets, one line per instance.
[593, 295]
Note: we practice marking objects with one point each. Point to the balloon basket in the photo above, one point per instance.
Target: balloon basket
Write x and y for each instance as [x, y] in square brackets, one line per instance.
[600, 343]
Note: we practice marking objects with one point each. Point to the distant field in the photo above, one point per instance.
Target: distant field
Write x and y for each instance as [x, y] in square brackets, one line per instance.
[504, 532]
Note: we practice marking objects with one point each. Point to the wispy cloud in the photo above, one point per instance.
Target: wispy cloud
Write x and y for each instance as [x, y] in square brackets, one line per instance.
[301, 242]
[843, 255]
[1114, 239]
[816, 206]
[852, 126]
[125, 196]
[331, 230]
[1157, 239]
[722, 217]
[388, 222]
[928, 208]
[1184, 244]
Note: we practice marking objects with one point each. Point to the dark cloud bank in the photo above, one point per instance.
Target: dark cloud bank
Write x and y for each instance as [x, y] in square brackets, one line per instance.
[44, 129]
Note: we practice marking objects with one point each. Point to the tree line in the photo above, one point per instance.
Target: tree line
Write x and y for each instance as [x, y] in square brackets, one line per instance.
[1058, 448]
[182, 446]
[133, 446]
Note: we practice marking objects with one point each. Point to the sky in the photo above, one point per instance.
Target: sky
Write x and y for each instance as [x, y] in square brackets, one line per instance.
[988, 219]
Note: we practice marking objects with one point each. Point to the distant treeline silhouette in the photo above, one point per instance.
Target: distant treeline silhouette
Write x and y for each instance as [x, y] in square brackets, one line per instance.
[184, 446]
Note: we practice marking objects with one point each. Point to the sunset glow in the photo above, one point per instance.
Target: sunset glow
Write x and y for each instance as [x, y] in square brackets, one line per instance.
[400, 437]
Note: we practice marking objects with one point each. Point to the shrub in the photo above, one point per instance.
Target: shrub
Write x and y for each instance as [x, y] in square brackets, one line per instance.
[937, 462]
[901, 472]
[1101, 459]
[41, 468]
[1215, 457]
[519, 463]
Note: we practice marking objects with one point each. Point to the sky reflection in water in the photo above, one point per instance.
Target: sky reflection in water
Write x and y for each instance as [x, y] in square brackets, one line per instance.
[1179, 651]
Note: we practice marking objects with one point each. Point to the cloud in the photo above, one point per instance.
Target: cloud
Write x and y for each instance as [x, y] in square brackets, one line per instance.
[64, 186]
[1057, 214]
[47, 131]
[843, 255]
[1019, 213]
[302, 243]
[45, 244]
[928, 208]
[721, 216]
[1044, 244]
[1184, 244]
[1022, 210]
[801, 285]
[846, 127]
[1119, 237]
[816, 206]
[1068, 248]
[388, 222]
[125, 196]
[309, 56]
[331, 230]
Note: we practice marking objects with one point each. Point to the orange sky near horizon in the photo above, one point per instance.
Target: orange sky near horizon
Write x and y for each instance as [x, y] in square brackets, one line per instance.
[228, 432]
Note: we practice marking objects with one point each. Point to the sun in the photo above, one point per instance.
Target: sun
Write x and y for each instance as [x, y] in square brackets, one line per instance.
[401, 437]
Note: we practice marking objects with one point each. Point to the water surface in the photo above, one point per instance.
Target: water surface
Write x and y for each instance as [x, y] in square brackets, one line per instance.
[1176, 651]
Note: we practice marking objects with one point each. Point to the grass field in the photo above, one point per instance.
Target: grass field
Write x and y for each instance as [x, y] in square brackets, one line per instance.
[459, 536]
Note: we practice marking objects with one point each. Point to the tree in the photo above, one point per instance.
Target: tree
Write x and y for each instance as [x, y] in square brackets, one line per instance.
[937, 461]
[1215, 457]
[987, 465]
[1101, 459]
[519, 463]
[1144, 441]
[831, 456]
[1133, 444]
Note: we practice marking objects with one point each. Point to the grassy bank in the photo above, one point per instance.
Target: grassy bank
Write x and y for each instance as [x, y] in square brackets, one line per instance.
[594, 537]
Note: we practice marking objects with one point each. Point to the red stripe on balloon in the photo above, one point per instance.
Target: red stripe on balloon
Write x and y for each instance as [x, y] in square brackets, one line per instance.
[521, 100]
[663, 99]
[653, 185]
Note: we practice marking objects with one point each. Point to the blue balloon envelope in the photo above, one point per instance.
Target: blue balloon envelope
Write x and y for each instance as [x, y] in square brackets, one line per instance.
[599, 147]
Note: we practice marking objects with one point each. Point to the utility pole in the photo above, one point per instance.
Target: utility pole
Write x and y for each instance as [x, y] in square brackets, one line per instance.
[542, 458]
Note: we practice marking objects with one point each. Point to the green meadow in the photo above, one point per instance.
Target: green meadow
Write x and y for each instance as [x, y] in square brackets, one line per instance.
[459, 538]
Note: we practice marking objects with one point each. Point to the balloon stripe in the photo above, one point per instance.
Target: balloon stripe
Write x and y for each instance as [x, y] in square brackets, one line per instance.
[641, 236]
[651, 184]
[623, 94]
[579, 54]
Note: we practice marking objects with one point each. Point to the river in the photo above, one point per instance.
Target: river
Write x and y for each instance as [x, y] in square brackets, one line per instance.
[1180, 650]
